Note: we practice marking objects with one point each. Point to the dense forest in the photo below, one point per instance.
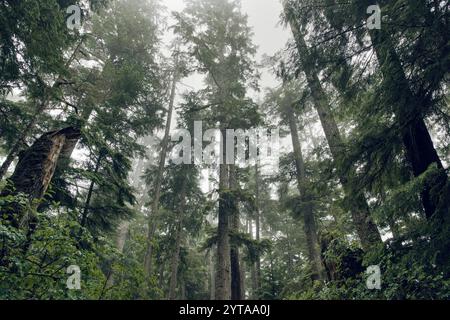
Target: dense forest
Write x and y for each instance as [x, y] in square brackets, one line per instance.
[103, 196]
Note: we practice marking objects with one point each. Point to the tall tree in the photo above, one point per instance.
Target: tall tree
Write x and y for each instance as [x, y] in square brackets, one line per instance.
[364, 225]
[218, 37]
[285, 101]
[153, 219]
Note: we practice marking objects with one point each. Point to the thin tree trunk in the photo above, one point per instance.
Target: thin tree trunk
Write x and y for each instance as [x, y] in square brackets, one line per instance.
[212, 276]
[122, 236]
[212, 260]
[272, 277]
[87, 203]
[258, 227]
[309, 221]
[365, 227]
[252, 266]
[236, 277]
[161, 273]
[223, 280]
[153, 219]
[243, 279]
[178, 238]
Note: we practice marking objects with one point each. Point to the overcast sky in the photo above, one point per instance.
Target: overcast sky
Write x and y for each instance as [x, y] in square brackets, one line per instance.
[269, 36]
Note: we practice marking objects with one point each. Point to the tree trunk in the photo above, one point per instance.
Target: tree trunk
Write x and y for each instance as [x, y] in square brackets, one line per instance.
[212, 276]
[153, 219]
[243, 279]
[252, 266]
[223, 280]
[178, 238]
[258, 227]
[211, 257]
[419, 148]
[161, 273]
[236, 276]
[35, 170]
[122, 235]
[309, 222]
[87, 203]
[365, 227]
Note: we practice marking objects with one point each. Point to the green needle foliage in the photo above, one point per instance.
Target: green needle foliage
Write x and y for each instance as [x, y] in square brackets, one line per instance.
[362, 181]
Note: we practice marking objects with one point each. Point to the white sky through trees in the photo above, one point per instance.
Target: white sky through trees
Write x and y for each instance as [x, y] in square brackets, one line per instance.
[268, 35]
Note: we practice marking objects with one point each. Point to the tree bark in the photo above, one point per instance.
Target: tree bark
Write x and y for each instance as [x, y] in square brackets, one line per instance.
[153, 219]
[34, 172]
[258, 227]
[252, 266]
[122, 235]
[161, 273]
[236, 276]
[212, 276]
[365, 227]
[87, 203]
[309, 221]
[243, 279]
[211, 257]
[223, 280]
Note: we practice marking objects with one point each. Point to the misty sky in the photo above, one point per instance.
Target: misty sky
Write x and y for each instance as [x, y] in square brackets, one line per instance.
[269, 36]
